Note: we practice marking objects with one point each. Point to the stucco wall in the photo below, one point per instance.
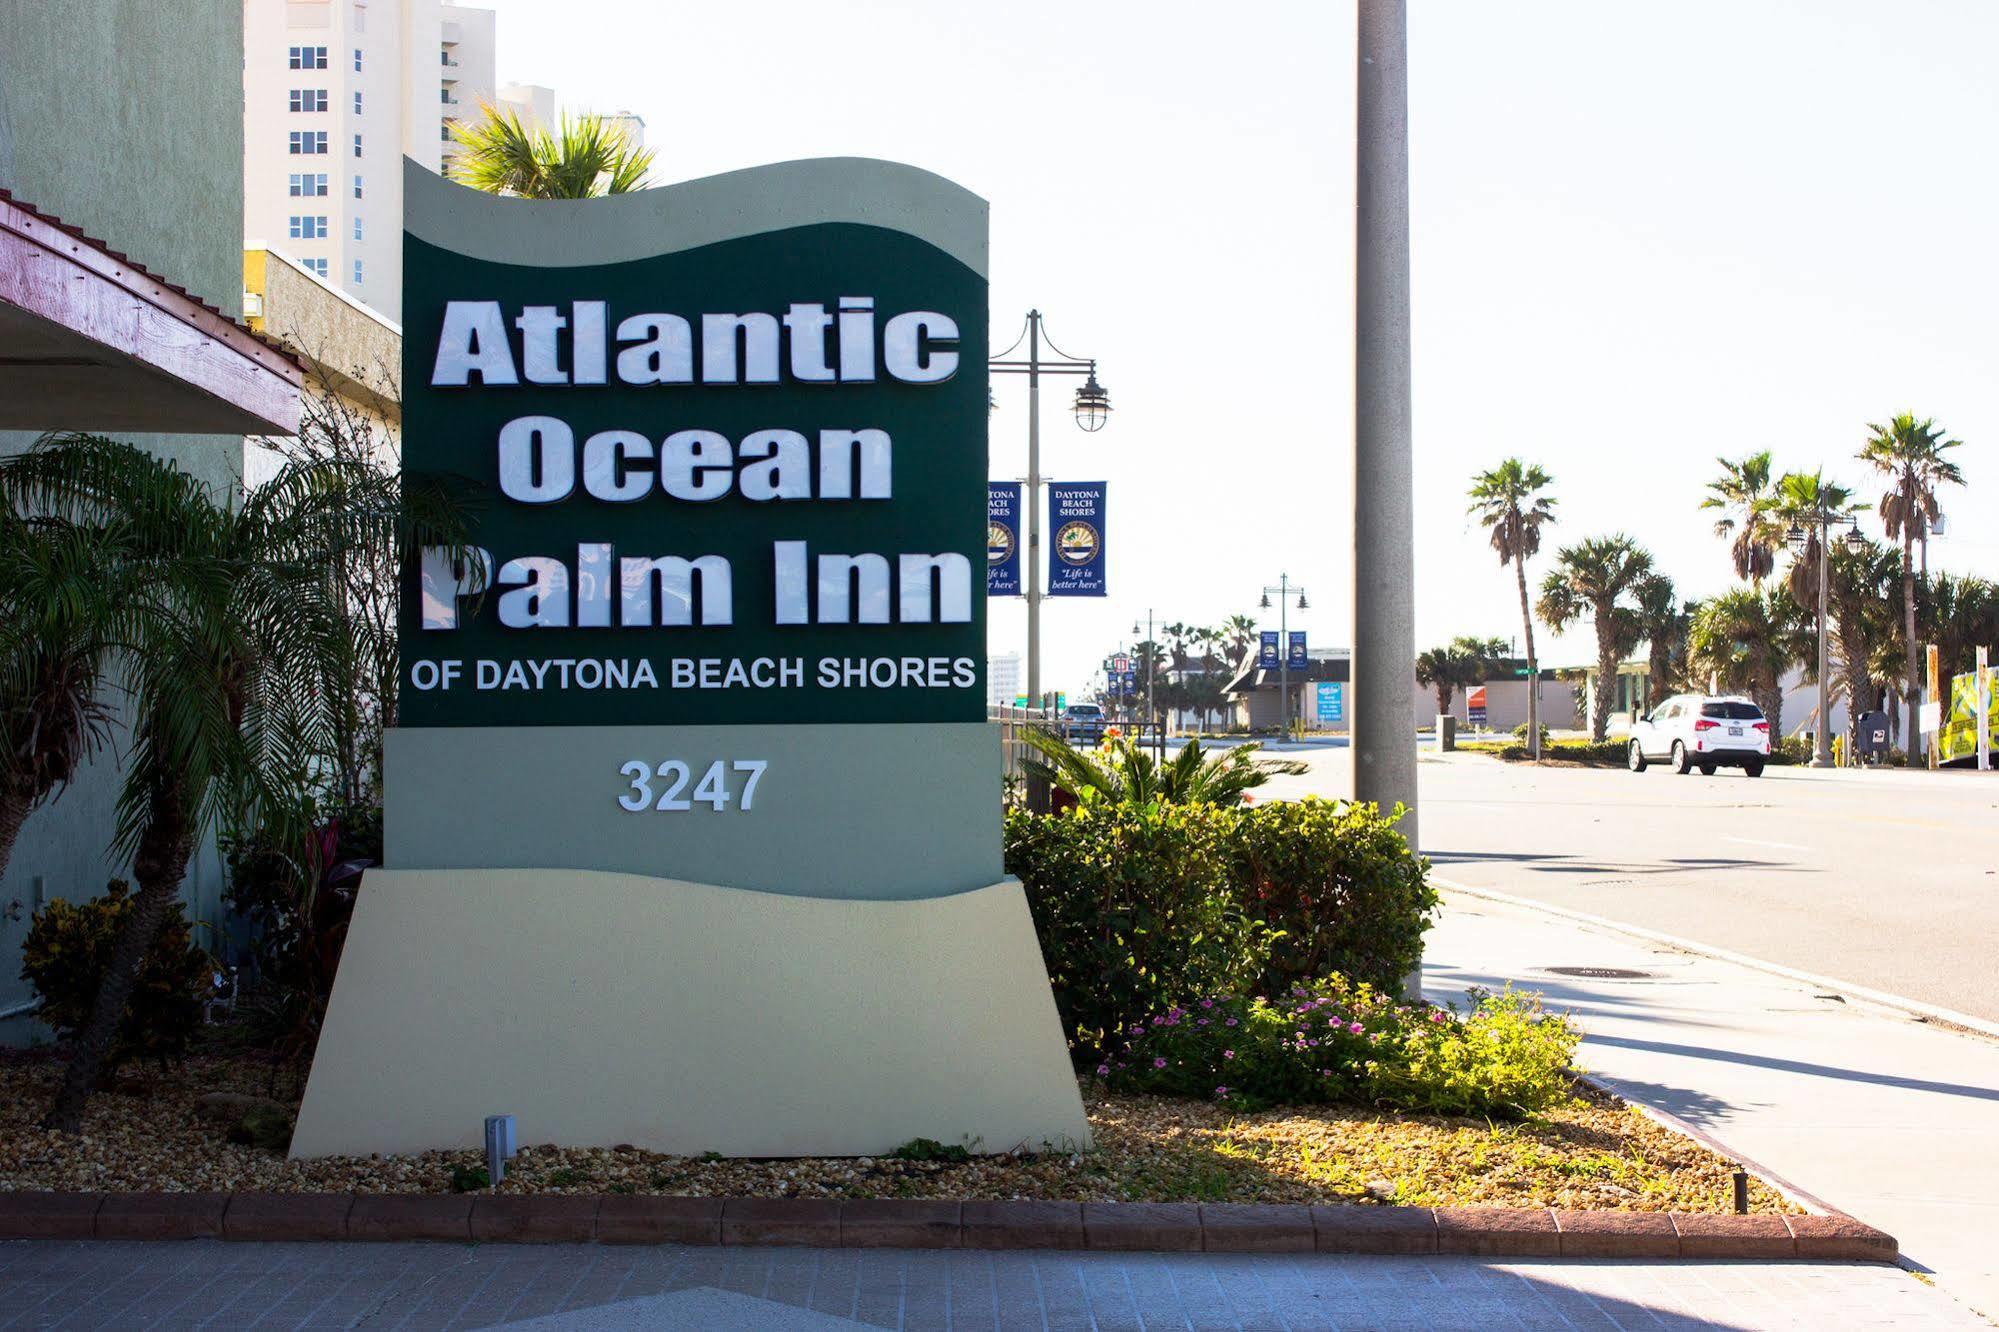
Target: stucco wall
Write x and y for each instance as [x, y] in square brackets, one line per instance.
[123, 117]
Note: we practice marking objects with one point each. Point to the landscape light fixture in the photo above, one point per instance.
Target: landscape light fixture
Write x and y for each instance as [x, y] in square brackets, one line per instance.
[1794, 537]
[1856, 540]
[1302, 603]
[1093, 405]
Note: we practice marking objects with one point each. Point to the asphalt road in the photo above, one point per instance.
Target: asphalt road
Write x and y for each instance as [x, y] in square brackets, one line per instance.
[1887, 880]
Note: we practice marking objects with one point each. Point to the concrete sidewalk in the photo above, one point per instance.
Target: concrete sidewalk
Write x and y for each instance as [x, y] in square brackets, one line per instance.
[1876, 1112]
[623, 1288]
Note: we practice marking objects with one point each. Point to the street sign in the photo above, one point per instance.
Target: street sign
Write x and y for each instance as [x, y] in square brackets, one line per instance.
[1330, 701]
[1121, 663]
[1475, 707]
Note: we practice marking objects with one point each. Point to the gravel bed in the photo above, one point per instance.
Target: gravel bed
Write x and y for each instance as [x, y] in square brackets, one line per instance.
[143, 1135]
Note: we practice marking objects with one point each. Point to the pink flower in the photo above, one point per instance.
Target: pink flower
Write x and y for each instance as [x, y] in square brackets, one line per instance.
[1355, 1028]
[1228, 1054]
[1221, 1093]
[1437, 1015]
[1203, 1022]
[1229, 1023]
[1159, 1063]
[1207, 1003]
[1103, 1070]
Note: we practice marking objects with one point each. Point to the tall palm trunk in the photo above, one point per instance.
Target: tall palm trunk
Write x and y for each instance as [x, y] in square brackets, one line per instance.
[1859, 688]
[1606, 672]
[159, 867]
[1533, 666]
[1914, 691]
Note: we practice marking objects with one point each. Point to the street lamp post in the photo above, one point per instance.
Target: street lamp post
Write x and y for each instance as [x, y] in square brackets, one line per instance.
[1284, 589]
[1151, 650]
[1092, 408]
[1797, 537]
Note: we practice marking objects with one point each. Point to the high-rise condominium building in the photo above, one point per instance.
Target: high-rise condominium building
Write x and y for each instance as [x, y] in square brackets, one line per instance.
[335, 93]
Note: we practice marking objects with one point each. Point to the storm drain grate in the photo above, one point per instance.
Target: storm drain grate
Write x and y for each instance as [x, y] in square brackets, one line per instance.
[1599, 973]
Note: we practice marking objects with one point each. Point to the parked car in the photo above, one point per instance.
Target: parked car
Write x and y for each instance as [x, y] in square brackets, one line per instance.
[1704, 731]
[1083, 721]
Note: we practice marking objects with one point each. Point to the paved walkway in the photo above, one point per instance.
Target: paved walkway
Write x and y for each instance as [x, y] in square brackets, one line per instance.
[564, 1288]
[1878, 1113]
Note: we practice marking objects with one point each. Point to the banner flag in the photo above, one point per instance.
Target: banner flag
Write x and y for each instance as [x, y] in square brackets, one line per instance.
[1266, 653]
[1002, 538]
[1295, 656]
[1076, 512]
[1331, 701]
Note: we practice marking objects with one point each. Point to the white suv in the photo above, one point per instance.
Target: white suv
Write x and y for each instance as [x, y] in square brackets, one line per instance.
[1704, 731]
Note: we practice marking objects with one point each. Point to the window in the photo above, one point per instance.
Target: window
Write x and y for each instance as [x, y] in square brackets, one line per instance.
[308, 57]
[444, 96]
[308, 226]
[444, 131]
[317, 267]
[357, 60]
[308, 185]
[1731, 711]
[308, 141]
[357, 145]
[308, 99]
[357, 272]
[360, 18]
[357, 187]
[357, 104]
[357, 232]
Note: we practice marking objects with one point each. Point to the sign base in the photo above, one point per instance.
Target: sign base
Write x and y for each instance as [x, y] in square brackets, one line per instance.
[605, 1008]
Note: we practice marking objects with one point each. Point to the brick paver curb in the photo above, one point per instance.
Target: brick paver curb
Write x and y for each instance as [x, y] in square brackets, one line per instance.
[924, 1224]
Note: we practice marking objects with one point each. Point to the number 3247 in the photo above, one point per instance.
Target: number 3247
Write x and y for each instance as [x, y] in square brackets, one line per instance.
[712, 790]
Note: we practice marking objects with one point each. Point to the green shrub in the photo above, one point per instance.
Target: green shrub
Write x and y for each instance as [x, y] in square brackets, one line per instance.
[1337, 882]
[1140, 907]
[1520, 734]
[1135, 910]
[1333, 1041]
[68, 949]
[1604, 754]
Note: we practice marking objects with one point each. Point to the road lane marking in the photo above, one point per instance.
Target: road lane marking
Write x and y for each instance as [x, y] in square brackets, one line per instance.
[1757, 841]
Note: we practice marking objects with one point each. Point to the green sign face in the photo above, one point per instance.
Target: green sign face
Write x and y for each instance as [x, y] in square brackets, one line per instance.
[736, 481]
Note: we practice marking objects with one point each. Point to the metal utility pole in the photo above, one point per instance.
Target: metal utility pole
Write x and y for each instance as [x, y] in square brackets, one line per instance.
[1384, 743]
[1093, 407]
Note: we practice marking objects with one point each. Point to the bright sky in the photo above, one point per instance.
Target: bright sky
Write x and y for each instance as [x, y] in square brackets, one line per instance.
[1644, 235]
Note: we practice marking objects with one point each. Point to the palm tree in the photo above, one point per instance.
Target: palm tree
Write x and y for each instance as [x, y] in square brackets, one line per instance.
[1590, 581]
[1662, 622]
[1910, 454]
[1743, 493]
[1800, 499]
[1745, 640]
[1962, 614]
[1240, 632]
[1443, 669]
[60, 621]
[586, 156]
[1128, 775]
[1509, 502]
[238, 642]
[1860, 596]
